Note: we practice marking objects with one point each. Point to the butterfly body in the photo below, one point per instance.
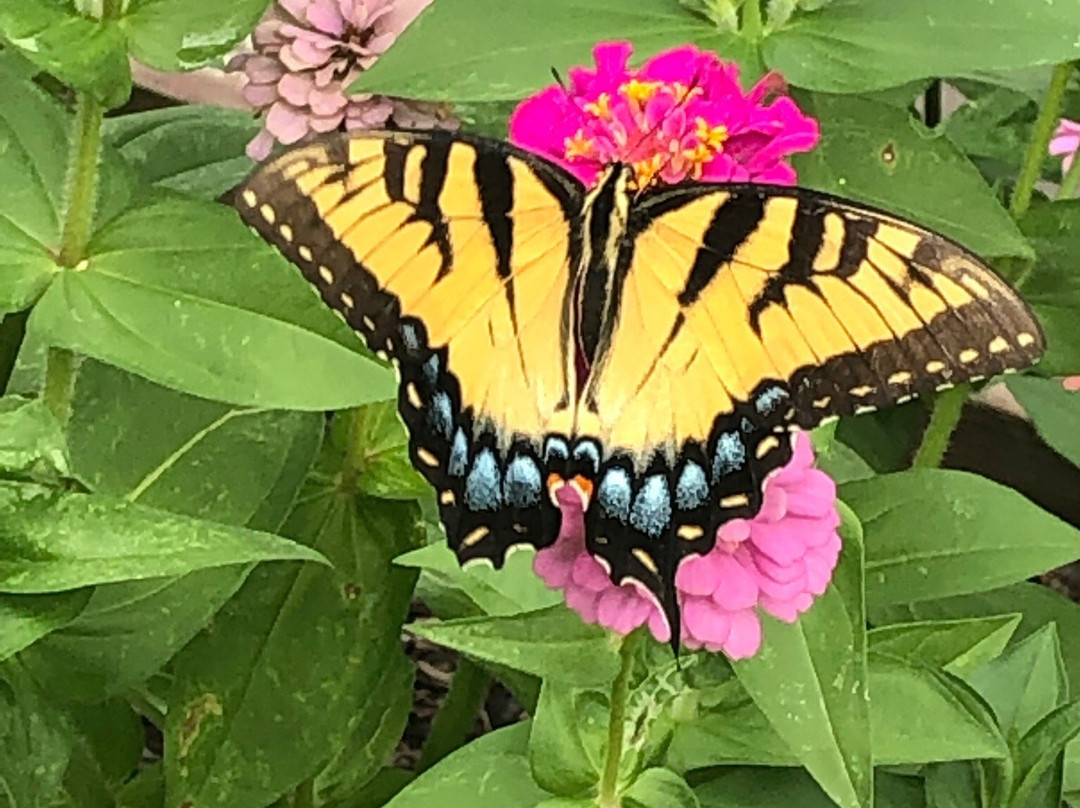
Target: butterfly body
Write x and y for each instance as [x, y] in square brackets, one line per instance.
[647, 351]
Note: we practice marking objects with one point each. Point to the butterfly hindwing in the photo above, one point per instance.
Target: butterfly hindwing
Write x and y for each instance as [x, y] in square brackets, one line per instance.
[450, 255]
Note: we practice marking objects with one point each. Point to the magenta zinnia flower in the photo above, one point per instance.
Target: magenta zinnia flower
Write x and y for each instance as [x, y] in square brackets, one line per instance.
[776, 563]
[683, 114]
[1066, 143]
[308, 52]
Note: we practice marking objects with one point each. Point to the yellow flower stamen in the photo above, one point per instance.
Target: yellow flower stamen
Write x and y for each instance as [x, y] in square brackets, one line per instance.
[601, 108]
[713, 137]
[645, 171]
[640, 91]
[578, 146]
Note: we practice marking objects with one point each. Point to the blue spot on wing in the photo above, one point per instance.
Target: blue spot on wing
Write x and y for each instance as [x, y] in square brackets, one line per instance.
[430, 370]
[614, 493]
[770, 399]
[651, 513]
[410, 338]
[522, 486]
[730, 455]
[459, 455]
[482, 486]
[556, 448]
[692, 490]
[441, 415]
[588, 451]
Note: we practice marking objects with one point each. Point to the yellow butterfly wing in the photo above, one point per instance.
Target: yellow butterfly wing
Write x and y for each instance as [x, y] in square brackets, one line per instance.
[451, 255]
[748, 311]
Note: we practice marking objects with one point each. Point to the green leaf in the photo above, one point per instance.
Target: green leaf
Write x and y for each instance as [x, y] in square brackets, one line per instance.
[86, 54]
[746, 787]
[568, 738]
[660, 788]
[1053, 289]
[53, 543]
[552, 643]
[193, 149]
[145, 790]
[376, 735]
[237, 685]
[444, 55]
[1026, 683]
[35, 743]
[31, 443]
[953, 785]
[1042, 746]
[108, 744]
[879, 154]
[853, 46]
[956, 645]
[973, 534]
[206, 459]
[811, 681]
[490, 771]
[1054, 411]
[512, 590]
[383, 465]
[25, 619]
[184, 34]
[162, 279]
[920, 715]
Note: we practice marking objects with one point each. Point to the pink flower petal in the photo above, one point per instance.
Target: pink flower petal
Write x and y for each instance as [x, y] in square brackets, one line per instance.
[286, 123]
[744, 636]
[737, 587]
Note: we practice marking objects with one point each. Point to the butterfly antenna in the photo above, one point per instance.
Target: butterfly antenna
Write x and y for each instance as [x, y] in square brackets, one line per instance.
[560, 80]
[646, 136]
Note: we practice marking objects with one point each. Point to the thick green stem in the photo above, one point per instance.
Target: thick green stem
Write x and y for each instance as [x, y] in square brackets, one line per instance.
[620, 692]
[355, 448]
[943, 420]
[456, 717]
[82, 181]
[1071, 181]
[1040, 141]
[59, 383]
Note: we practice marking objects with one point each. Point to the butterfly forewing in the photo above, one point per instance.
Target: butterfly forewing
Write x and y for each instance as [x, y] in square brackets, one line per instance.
[451, 256]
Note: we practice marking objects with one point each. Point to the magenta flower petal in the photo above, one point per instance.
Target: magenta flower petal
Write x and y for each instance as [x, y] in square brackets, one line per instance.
[744, 635]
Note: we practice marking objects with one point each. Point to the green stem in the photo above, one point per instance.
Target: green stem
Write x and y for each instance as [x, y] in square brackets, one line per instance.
[943, 420]
[1071, 181]
[1045, 124]
[752, 24]
[83, 175]
[355, 448]
[59, 383]
[456, 717]
[620, 692]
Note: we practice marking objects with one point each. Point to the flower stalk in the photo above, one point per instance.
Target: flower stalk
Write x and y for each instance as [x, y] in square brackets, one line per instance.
[608, 796]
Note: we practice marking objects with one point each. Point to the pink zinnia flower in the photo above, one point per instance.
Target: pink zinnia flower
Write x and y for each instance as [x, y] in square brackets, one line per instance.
[776, 563]
[1066, 142]
[308, 52]
[683, 114]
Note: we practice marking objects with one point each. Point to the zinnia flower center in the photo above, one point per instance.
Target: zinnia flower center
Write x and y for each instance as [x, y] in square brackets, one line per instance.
[645, 125]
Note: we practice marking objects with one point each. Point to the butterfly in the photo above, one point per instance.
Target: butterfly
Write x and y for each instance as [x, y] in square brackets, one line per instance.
[654, 349]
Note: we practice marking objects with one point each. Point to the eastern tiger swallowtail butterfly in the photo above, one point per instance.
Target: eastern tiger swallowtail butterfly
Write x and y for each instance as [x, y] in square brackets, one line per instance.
[652, 348]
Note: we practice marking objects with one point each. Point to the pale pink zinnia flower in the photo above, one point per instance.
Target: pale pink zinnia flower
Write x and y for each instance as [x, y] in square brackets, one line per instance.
[776, 563]
[681, 114]
[307, 53]
[1066, 143]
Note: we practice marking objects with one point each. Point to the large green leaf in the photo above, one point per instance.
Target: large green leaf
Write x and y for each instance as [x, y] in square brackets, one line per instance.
[486, 50]
[957, 645]
[206, 459]
[745, 787]
[491, 772]
[971, 534]
[193, 149]
[854, 45]
[810, 679]
[25, 619]
[1053, 289]
[300, 648]
[1054, 410]
[35, 743]
[181, 293]
[568, 739]
[52, 543]
[879, 154]
[84, 53]
[183, 34]
[108, 744]
[553, 643]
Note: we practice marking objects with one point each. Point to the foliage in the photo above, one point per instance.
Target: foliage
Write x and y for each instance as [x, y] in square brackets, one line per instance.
[183, 537]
